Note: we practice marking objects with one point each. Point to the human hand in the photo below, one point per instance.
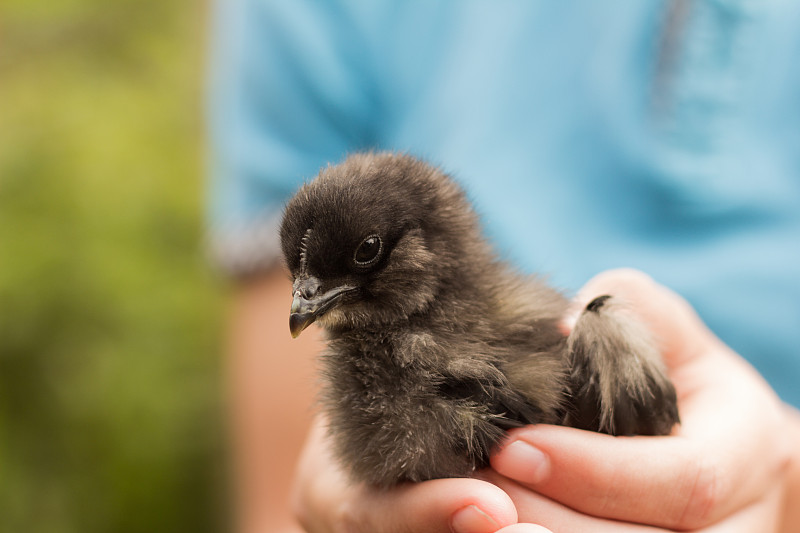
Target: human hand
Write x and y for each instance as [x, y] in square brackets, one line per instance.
[722, 469]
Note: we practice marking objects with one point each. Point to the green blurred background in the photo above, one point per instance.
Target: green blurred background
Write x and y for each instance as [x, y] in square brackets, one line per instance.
[110, 395]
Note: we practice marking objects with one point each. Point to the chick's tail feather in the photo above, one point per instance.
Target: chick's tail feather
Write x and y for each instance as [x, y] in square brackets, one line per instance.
[617, 378]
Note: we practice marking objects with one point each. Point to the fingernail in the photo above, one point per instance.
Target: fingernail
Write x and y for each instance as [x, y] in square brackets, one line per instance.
[530, 464]
[471, 519]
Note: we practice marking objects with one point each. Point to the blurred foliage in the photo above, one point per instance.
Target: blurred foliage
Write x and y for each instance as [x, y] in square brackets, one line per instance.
[109, 315]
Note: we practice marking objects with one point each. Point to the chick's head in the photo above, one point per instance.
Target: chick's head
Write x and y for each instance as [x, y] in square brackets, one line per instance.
[373, 240]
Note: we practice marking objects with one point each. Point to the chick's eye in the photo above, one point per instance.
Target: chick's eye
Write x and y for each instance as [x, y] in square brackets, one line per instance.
[368, 251]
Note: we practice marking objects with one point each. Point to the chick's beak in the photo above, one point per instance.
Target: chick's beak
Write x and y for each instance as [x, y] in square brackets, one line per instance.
[308, 304]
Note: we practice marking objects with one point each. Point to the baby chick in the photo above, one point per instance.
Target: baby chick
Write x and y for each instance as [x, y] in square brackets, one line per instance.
[435, 346]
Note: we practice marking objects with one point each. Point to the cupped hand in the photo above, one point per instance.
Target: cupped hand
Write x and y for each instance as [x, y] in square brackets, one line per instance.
[722, 469]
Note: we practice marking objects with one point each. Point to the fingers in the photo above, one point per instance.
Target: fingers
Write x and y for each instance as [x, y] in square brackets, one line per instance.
[656, 480]
[694, 478]
[558, 517]
[727, 452]
[758, 516]
[325, 501]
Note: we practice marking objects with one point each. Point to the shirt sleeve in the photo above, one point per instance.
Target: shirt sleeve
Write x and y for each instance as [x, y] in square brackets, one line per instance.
[286, 94]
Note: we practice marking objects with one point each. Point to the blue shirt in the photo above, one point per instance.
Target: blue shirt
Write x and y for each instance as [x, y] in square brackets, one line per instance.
[660, 136]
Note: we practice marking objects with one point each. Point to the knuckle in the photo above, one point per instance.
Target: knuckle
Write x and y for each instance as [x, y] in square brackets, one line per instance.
[703, 497]
[629, 284]
[302, 510]
[348, 519]
[299, 506]
[626, 276]
[319, 510]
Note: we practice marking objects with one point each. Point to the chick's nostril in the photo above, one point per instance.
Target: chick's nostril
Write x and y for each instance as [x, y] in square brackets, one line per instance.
[308, 287]
[308, 292]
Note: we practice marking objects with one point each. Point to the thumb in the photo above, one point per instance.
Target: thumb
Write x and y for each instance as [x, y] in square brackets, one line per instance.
[325, 500]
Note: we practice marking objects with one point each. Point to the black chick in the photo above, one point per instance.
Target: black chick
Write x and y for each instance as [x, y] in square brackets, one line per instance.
[436, 347]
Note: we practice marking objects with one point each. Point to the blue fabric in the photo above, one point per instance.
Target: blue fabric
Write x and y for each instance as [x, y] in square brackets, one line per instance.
[660, 136]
